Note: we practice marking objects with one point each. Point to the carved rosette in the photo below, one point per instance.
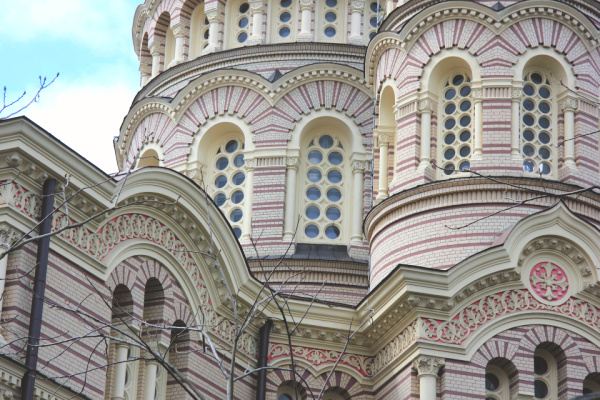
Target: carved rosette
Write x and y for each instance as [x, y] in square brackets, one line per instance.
[427, 365]
[549, 281]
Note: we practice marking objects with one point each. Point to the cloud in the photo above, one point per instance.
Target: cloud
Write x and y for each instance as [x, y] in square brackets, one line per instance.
[100, 24]
[86, 115]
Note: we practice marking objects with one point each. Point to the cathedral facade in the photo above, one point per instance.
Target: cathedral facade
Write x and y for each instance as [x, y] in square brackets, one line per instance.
[415, 180]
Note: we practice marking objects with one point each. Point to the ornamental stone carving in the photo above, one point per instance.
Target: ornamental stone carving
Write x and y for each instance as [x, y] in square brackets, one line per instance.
[291, 162]
[384, 139]
[214, 16]
[427, 365]
[569, 103]
[357, 6]
[359, 166]
[549, 281]
[426, 105]
[517, 94]
[307, 5]
[257, 6]
[477, 94]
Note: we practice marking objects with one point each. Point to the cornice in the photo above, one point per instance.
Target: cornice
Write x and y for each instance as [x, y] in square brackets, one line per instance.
[427, 14]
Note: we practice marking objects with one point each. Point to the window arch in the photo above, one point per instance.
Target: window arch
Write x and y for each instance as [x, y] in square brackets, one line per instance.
[325, 185]
[149, 158]
[386, 136]
[163, 28]
[591, 383]
[501, 379]
[238, 23]
[145, 60]
[456, 123]
[199, 28]
[286, 391]
[545, 373]
[283, 20]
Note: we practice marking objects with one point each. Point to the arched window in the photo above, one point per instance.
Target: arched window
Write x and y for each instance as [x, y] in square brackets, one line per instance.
[591, 383]
[154, 303]
[325, 183]
[238, 23]
[545, 374]
[163, 29]
[456, 124]
[149, 158]
[370, 20]
[198, 28]
[386, 138]
[145, 60]
[501, 379]
[283, 20]
[335, 394]
[331, 20]
[286, 391]
[537, 124]
[227, 180]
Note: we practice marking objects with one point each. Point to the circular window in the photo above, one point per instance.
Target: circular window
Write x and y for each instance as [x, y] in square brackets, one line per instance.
[285, 3]
[465, 91]
[450, 94]
[236, 215]
[544, 92]
[545, 168]
[450, 123]
[536, 78]
[242, 37]
[465, 166]
[540, 366]
[237, 197]
[312, 231]
[244, 7]
[528, 105]
[544, 137]
[330, 31]
[449, 138]
[540, 389]
[458, 80]
[528, 135]
[331, 3]
[333, 213]
[334, 176]
[220, 199]
[544, 122]
[528, 150]
[528, 166]
[465, 151]
[465, 106]
[492, 382]
[243, 22]
[206, 33]
[450, 109]
[544, 107]
[313, 193]
[238, 232]
[528, 90]
[222, 163]
[544, 153]
[373, 7]
[330, 16]
[285, 17]
[314, 175]
[220, 181]
[315, 157]
[238, 178]
[528, 120]
[326, 141]
[372, 35]
[465, 121]
[284, 32]
[335, 158]
[373, 22]
[449, 154]
[465, 136]
[449, 169]
[334, 195]
[238, 161]
[332, 232]
[313, 212]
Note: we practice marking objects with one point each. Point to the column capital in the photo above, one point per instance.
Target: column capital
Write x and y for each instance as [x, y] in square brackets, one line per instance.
[249, 164]
[8, 236]
[154, 48]
[569, 103]
[257, 6]
[178, 30]
[517, 94]
[291, 162]
[358, 166]
[214, 16]
[428, 365]
[357, 6]
[426, 105]
[307, 5]
[477, 94]
[383, 138]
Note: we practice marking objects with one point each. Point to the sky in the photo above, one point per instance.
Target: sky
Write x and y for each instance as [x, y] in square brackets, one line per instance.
[89, 43]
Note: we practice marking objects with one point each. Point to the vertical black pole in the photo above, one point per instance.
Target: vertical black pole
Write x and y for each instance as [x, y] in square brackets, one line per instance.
[39, 288]
[263, 354]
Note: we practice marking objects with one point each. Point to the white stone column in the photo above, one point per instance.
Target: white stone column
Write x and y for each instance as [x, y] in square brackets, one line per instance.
[568, 106]
[358, 173]
[428, 368]
[120, 371]
[258, 10]
[155, 51]
[289, 219]
[179, 34]
[214, 22]
[150, 388]
[426, 107]
[247, 231]
[306, 8]
[515, 145]
[478, 127]
[357, 8]
[383, 139]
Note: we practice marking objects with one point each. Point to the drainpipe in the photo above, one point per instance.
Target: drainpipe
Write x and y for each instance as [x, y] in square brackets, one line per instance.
[263, 353]
[39, 288]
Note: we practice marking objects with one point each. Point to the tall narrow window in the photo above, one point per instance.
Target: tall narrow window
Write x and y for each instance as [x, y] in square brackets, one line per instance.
[284, 18]
[456, 124]
[228, 181]
[324, 183]
[198, 31]
[536, 124]
[238, 23]
[496, 383]
[370, 20]
[332, 21]
[545, 385]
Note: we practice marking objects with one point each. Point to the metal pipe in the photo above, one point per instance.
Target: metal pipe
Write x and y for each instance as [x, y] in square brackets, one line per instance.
[263, 353]
[39, 289]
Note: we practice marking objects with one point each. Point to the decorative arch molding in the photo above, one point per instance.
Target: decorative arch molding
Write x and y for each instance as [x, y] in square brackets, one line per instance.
[484, 31]
[270, 112]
